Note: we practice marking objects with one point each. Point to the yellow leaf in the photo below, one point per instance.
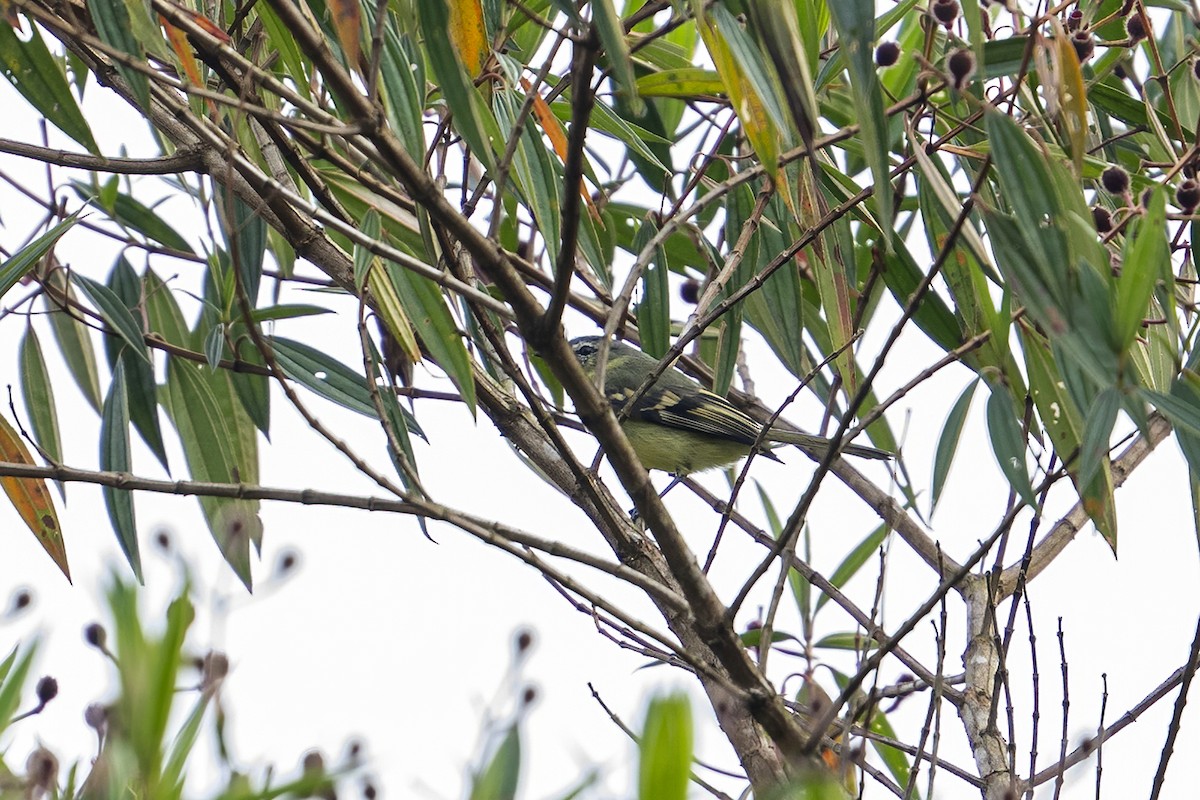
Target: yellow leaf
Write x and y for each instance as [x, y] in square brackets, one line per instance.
[1072, 97]
[764, 136]
[31, 499]
[468, 34]
[347, 20]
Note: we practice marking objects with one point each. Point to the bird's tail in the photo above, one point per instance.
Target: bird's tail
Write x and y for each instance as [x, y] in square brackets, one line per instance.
[821, 443]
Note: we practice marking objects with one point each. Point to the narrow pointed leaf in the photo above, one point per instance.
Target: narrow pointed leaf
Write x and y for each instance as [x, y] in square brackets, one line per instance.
[665, 763]
[208, 448]
[468, 34]
[1008, 445]
[36, 74]
[855, 22]
[72, 337]
[347, 21]
[616, 47]
[654, 311]
[863, 552]
[139, 372]
[116, 29]
[39, 396]
[426, 309]
[17, 267]
[115, 313]
[947, 445]
[498, 780]
[1096, 432]
[463, 99]
[246, 236]
[31, 499]
[369, 225]
[115, 457]
[12, 682]
[323, 374]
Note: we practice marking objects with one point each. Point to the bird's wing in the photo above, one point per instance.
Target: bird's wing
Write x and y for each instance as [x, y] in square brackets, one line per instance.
[697, 411]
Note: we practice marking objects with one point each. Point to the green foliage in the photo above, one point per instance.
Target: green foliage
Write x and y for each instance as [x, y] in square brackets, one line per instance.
[147, 748]
[406, 161]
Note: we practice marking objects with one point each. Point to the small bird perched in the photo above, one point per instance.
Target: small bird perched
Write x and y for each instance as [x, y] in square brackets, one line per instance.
[677, 425]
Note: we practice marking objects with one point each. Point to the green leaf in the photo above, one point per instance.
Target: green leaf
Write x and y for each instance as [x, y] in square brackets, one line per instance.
[181, 747]
[17, 267]
[1064, 422]
[39, 396]
[208, 444]
[115, 29]
[38, 76]
[113, 309]
[947, 445]
[665, 765]
[431, 319]
[148, 674]
[163, 314]
[115, 457]
[688, 82]
[325, 375]
[246, 236]
[1097, 430]
[287, 311]
[370, 227]
[254, 391]
[214, 345]
[1183, 411]
[1147, 256]
[499, 779]
[403, 71]
[654, 312]
[753, 637]
[855, 23]
[750, 61]
[72, 337]
[134, 215]
[854, 641]
[139, 373]
[903, 277]
[1008, 444]
[616, 47]
[895, 760]
[14, 682]
[853, 562]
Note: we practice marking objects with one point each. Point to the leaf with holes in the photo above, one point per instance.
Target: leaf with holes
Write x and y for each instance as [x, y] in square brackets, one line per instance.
[30, 498]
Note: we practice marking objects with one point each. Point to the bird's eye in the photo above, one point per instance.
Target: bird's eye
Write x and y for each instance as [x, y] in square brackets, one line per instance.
[585, 350]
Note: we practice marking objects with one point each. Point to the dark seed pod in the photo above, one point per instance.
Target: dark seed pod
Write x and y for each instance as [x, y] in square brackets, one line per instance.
[961, 64]
[1137, 27]
[1084, 44]
[1115, 180]
[1187, 196]
[945, 11]
[886, 54]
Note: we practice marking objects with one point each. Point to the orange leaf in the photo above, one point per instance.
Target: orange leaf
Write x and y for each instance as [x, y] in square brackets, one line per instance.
[469, 34]
[31, 499]
[558, 139]
[183, 52]
[347, 20]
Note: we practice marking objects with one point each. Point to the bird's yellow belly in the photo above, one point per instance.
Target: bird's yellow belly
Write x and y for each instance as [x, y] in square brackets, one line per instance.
[679, 451]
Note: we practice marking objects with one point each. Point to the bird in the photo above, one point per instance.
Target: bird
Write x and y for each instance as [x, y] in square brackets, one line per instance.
[680, 427]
